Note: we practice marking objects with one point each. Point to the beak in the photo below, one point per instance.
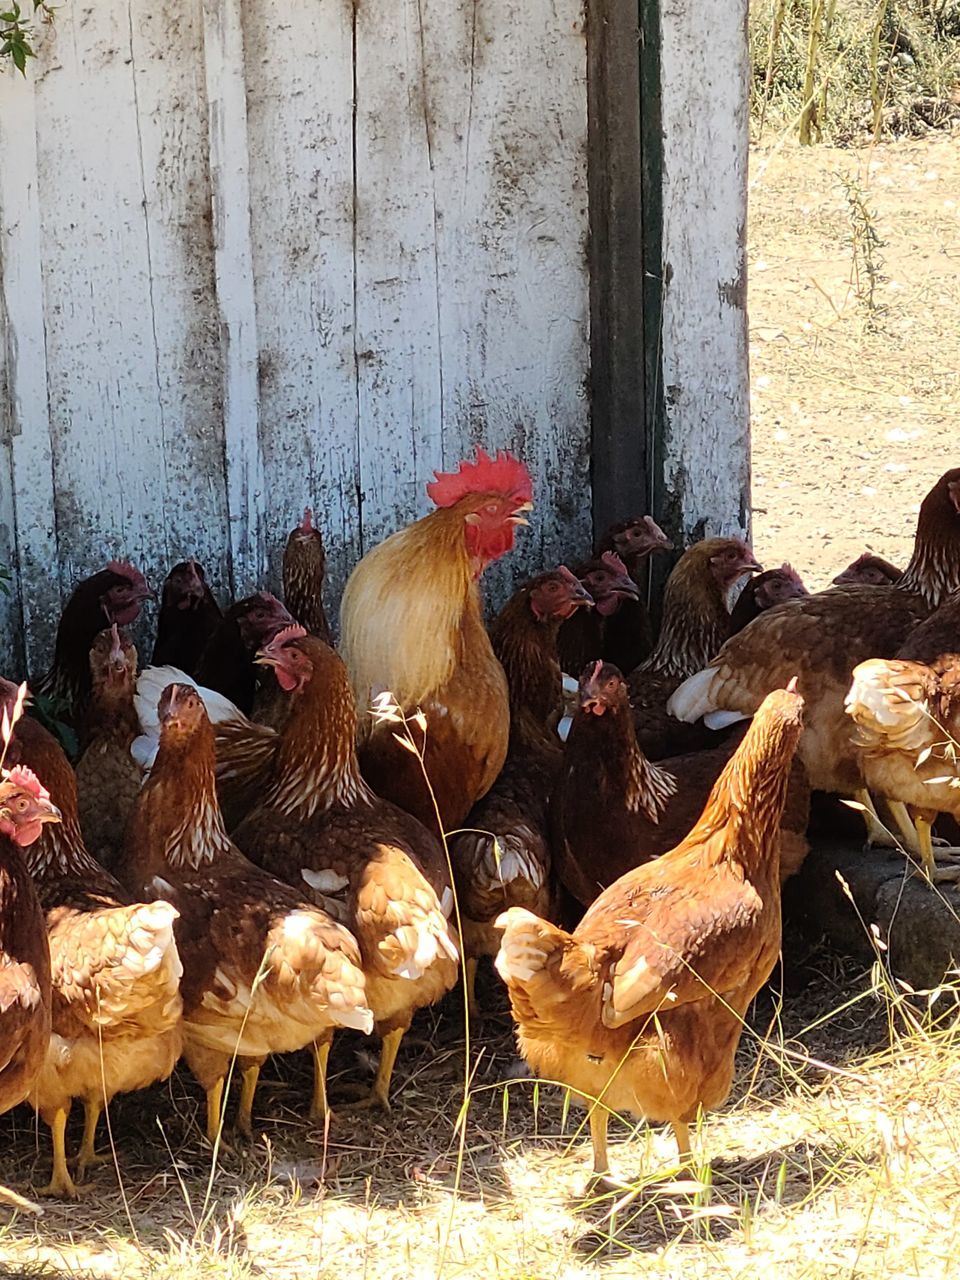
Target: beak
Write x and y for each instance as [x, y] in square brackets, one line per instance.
[517, 520]
[146, 593]
[750, 566]
[47, 812]
[265, 658]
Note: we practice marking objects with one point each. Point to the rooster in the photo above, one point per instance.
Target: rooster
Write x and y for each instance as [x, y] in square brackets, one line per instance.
[411, 624]
[641, 1008]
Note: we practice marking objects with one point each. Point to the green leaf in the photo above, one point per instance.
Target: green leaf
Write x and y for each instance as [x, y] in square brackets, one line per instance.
[19, 55]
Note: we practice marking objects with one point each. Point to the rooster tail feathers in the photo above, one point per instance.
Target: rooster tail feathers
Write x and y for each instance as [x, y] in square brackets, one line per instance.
[526, 946]
[694, 698]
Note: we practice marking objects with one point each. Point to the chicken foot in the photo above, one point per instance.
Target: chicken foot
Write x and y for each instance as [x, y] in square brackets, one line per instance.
[60, 1184]
[918, 840]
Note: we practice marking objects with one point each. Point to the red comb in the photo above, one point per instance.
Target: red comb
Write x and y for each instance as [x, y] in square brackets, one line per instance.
[125, 569]
[503, 474]
[306, 525]
[563, 572]
[116, 649]
[27, 780]
[295, 632]
[792, 685]
[613, 561]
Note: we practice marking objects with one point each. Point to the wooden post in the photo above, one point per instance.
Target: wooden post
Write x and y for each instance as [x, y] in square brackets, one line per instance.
[620, 464]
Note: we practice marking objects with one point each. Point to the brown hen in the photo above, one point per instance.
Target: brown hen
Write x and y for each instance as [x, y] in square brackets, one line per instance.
[115, 970]
[822, 638]
[613, 809]
[25, 994]
[641, 1008]
[907, 716]
[502, 856]
[108, 777]
[695, 623]
[304, 565]
[373, 866]
[265, 971]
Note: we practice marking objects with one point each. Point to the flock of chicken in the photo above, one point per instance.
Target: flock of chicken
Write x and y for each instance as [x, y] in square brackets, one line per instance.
[250, 851]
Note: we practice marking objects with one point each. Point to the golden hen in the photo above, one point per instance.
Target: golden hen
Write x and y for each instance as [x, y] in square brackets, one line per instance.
[641, 1008]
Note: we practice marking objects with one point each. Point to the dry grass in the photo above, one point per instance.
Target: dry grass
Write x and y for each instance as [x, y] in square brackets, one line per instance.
[835, 1159]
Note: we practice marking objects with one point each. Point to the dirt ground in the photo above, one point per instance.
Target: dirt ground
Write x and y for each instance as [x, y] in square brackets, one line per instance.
[851, 425]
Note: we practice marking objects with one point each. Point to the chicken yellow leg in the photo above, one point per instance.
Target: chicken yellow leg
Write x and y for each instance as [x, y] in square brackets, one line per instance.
[935, 874]
[60, 1184]
[599, 1118]
[319, 1108]
[379, 1095]
[877, 833]
[909, 834]
[88, 1154]
[214, 1109]
[245, 1111]
[681, 1131]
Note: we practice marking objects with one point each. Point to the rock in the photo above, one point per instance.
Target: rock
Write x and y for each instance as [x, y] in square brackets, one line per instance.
[919, 923]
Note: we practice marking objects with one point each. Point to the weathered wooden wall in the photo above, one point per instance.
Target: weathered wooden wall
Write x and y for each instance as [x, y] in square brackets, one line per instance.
[255, 256]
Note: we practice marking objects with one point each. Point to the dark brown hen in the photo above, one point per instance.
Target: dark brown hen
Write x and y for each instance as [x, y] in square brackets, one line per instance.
[502, 857]
[614, 809]
[226, 663]
[189, 616]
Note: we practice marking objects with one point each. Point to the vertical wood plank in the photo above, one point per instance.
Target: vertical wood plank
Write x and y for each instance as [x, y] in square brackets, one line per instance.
[223, 48]
[705, 59]
[25, 366]
[131, 339]
[299, 77]
[400, 370]
[506, 99]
